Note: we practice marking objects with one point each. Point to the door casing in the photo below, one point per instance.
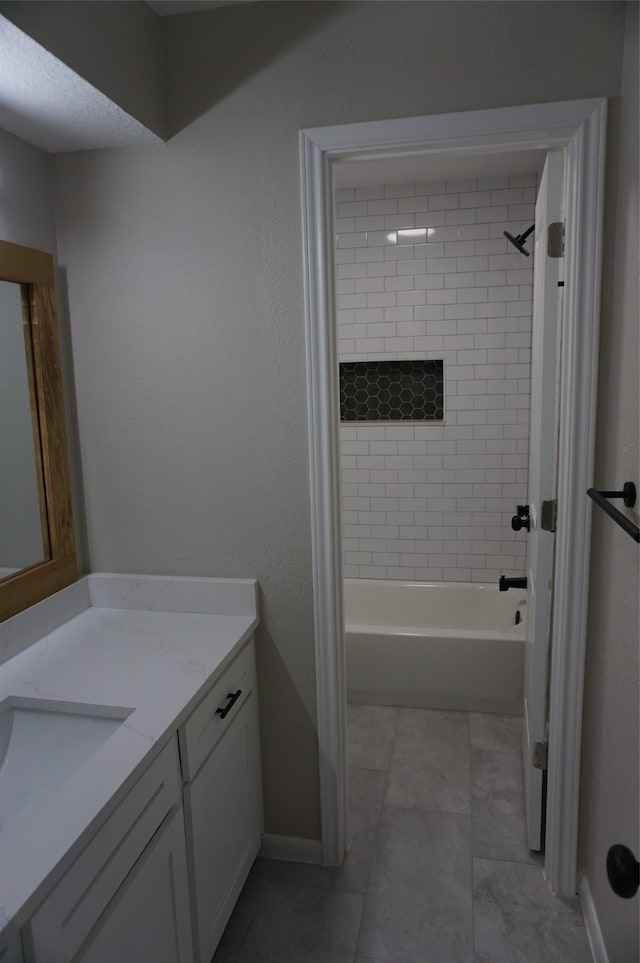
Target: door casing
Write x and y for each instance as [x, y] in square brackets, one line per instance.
[580, 127]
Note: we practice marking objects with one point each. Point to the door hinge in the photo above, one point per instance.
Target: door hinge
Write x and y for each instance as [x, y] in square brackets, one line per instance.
[555, 239]
[549, 515]
[540, 755]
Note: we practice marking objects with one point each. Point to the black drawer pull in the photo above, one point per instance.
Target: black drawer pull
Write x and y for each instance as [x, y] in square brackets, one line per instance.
[233, 698]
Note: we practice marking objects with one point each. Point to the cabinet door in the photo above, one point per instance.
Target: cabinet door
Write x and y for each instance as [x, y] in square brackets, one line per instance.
[223, 809]
[78, 902]
[148, 919]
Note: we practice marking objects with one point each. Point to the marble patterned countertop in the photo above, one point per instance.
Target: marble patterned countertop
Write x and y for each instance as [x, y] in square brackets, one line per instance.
[150, 644]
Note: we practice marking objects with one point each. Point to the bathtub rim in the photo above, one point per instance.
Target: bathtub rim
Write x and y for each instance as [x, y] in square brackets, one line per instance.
[515, 631]
[410, 582]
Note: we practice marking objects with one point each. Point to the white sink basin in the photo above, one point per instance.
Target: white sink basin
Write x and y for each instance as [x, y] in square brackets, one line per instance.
[42, 744]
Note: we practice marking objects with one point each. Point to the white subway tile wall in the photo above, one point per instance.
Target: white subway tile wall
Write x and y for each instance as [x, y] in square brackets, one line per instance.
[424, 271]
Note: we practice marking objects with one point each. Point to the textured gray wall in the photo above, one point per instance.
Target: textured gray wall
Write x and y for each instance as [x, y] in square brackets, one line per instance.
[610, 755]
[26, 208]
[185, 289]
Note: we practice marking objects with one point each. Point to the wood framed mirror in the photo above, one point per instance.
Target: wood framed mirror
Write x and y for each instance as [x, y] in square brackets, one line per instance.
[37, 542]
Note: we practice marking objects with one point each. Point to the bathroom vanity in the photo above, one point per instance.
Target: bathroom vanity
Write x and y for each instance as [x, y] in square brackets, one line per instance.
[130, 785]
[131, 811]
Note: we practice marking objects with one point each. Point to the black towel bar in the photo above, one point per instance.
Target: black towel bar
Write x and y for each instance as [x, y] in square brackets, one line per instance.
[628, 494]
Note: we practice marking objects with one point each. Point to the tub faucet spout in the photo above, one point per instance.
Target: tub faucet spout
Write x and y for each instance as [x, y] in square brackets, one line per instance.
[507, 583]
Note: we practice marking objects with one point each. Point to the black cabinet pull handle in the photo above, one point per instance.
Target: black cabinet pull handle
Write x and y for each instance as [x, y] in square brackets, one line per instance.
[623, 871]
[233, 697]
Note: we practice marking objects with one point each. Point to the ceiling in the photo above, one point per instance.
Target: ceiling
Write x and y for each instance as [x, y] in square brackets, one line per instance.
[421, 167]
[47, 104]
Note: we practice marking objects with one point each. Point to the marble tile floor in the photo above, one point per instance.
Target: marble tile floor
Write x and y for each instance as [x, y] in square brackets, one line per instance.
[438, 869]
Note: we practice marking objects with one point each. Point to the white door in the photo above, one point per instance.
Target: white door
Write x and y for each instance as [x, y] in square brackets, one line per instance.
[542, 459]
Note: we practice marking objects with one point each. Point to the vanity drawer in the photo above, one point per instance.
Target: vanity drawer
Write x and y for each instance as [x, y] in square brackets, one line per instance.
[58, 928]
[212, 716]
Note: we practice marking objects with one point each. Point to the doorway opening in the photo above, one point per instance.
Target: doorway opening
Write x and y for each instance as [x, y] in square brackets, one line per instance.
[439, 395]
[578, 129]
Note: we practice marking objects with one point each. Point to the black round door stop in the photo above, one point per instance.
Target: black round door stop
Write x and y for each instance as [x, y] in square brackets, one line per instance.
[623, 871]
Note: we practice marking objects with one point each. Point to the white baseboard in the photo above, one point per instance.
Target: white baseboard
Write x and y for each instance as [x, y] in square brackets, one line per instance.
[596, 940]
[291, 848]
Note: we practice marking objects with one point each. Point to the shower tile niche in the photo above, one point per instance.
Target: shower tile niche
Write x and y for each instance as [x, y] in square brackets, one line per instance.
[425, 274]
[391, 391]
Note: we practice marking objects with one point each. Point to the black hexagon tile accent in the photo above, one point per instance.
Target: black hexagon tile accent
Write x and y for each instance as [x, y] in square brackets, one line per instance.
[391, 390]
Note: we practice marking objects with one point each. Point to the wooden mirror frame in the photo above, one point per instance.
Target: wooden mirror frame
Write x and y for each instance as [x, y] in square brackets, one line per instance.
[33, 271]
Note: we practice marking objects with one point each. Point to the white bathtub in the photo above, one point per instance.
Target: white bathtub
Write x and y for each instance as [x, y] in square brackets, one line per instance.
[440, 645]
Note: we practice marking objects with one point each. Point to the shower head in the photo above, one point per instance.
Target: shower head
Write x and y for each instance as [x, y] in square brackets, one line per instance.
[520, 239]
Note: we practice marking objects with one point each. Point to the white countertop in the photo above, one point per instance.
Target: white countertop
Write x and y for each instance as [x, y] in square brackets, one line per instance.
[158, 663]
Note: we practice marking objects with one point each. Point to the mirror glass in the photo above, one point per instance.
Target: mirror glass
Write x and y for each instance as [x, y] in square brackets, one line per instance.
[21, 524]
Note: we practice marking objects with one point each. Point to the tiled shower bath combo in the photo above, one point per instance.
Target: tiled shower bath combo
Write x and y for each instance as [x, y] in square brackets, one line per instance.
[434, 315]
[424, 272]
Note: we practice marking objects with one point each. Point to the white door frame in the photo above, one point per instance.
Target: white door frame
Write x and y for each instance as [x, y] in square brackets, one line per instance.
[579, 126]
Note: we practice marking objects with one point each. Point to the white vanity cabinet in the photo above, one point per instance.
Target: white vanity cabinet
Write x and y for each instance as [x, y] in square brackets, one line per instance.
[126, 896]
[157, 881]
[220, 753]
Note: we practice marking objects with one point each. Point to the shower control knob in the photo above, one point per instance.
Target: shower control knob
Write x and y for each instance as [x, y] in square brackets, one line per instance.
[517, 523]
[521, 520]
